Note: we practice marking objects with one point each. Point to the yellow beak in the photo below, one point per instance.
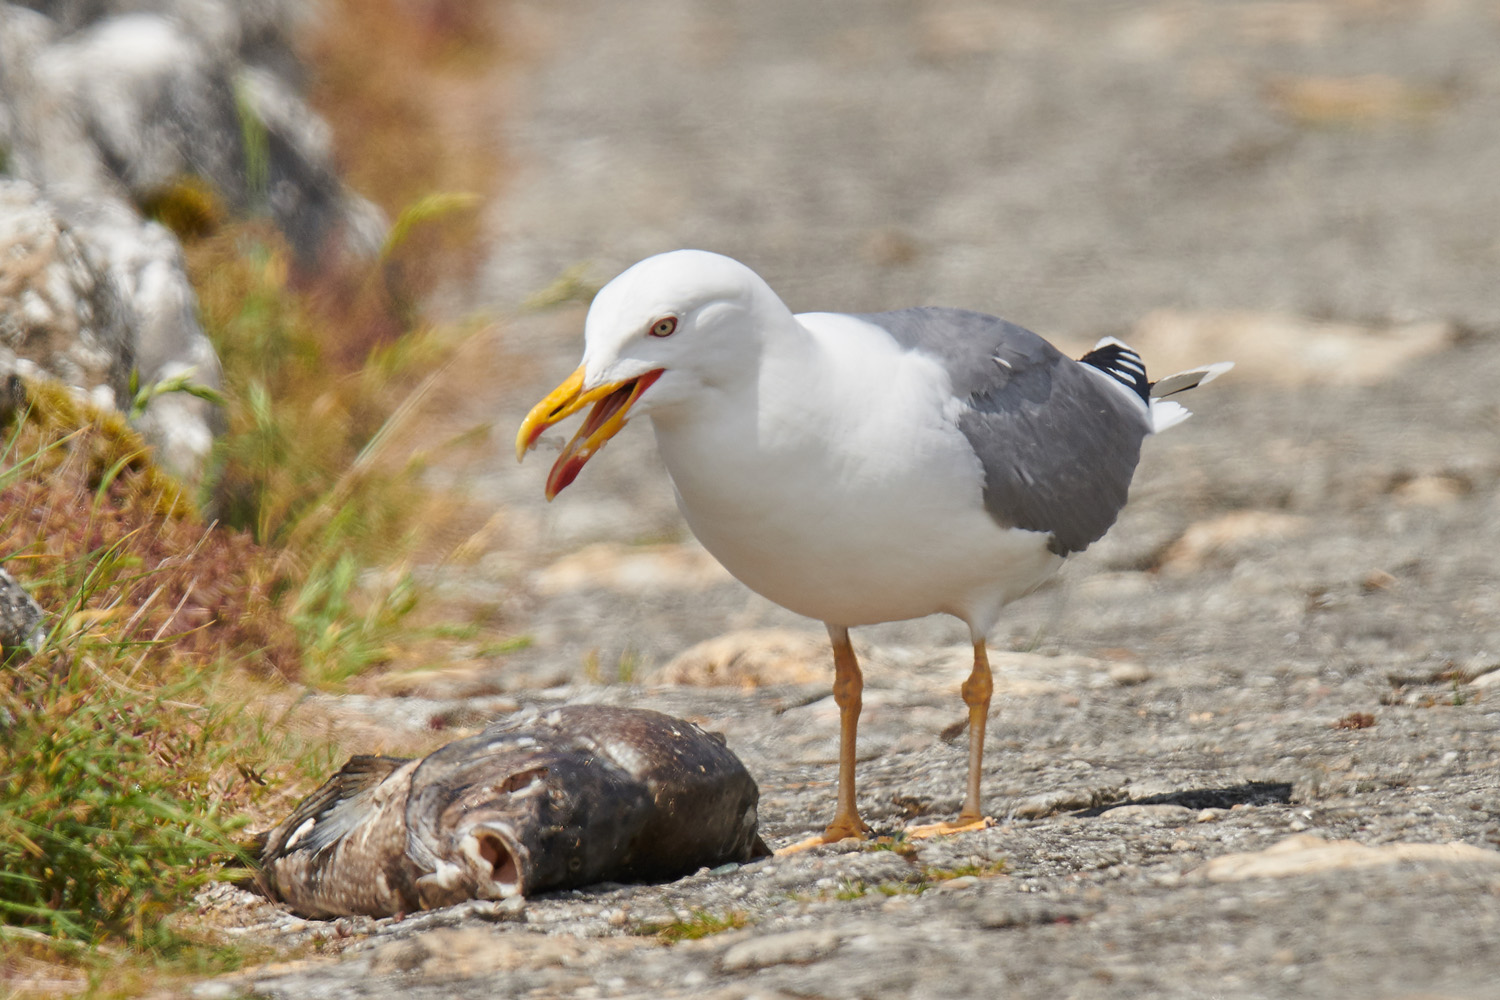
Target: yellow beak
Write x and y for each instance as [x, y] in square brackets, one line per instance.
[612, 403]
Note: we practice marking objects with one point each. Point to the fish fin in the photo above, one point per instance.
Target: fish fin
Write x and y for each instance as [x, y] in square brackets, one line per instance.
[364, 770]
[320, 819]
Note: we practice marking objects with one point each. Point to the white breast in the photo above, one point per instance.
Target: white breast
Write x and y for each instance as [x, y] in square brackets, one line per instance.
[836, 483]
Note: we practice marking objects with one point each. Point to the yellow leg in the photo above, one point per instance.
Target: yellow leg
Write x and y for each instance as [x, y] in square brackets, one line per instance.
[848, 688]
[848, 684]
[976, 692]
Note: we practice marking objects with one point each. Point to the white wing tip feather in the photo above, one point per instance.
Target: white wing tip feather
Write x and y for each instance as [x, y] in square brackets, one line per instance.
[1167, 413]
[1190, 379]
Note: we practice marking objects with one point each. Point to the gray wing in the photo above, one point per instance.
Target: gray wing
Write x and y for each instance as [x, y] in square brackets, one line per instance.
[1057, 444]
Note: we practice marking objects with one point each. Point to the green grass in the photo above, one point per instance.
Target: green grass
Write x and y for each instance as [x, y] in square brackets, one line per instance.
[98, 839]
[137, 746]
[624, 672]
[109, 811]
[984, 869]
[129, 760]
[699, 924]
[852, 889]
[923, 877]
[501, 647]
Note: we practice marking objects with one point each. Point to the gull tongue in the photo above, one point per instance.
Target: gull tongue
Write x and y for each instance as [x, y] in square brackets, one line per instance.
[564, 471]
[606, 408]
[580, 450]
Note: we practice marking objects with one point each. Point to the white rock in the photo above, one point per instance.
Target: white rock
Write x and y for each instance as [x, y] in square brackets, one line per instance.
[792, 947]
[62, 313]
[632, 568]
[1305, 854]
[749, 659]
[1228, 537]
[1128, 674]
[1165, 812]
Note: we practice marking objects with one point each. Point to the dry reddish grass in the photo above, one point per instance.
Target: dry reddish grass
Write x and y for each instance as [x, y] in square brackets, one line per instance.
[189, 591]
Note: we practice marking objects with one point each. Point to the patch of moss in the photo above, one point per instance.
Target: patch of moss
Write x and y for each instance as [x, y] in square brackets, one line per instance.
[190, 207]
[699, 924]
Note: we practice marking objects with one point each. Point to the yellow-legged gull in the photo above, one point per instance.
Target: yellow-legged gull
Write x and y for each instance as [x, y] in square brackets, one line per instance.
[863, 468]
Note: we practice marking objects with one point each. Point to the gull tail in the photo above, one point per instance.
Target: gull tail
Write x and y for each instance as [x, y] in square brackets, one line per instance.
[1168, 412]
[1122, 364]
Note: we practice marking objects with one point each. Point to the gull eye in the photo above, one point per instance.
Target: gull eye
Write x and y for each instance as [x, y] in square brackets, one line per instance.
[663, 327]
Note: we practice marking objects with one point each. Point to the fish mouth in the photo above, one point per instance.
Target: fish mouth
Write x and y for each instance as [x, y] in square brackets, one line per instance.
[505, 874]
[498, 860]
[612, 403]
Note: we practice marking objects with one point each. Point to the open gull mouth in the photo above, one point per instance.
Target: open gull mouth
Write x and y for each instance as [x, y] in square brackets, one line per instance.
[611, 402]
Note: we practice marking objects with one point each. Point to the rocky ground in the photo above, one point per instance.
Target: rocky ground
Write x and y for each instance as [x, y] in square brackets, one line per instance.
[1249, 745]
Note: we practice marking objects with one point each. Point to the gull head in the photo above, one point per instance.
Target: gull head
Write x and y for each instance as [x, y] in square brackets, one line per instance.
[662, 333]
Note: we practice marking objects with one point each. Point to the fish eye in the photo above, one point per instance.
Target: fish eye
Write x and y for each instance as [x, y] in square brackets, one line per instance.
[664, 327]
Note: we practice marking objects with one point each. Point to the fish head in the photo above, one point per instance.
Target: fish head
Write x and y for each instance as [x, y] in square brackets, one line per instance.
[496, 816]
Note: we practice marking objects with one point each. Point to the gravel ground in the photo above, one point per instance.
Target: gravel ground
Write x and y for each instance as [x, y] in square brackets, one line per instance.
[1228, 742]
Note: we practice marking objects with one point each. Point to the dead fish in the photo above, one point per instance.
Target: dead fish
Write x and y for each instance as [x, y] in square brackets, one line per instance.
[543, 800]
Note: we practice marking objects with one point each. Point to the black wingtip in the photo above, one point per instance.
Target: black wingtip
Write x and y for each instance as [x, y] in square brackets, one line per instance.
[1122, 364]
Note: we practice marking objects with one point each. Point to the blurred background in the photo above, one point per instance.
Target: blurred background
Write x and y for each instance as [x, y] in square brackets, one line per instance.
[1073, 165]
[1308, 188]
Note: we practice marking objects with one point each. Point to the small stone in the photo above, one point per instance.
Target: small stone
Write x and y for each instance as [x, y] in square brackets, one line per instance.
[792, 947]
[399, 956]
[1223, 540]
[1039, 806]
[1489, 680]
[1209, 815]
[632, 569]
[1165, 812]
[1305, 854]
[1430, 491]
[21, 618]
[508, 909]
[1129, 674]
[962, 882]
[1027, 911]
[749, 659]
